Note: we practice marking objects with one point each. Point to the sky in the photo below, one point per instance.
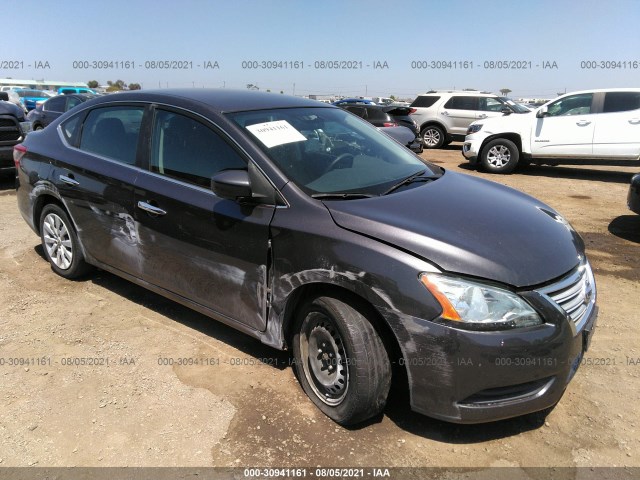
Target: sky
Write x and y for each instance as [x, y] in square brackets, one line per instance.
[537, 49]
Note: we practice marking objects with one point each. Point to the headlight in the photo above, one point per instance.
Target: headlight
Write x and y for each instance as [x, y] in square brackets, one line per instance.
[476, 127]
[478, 306]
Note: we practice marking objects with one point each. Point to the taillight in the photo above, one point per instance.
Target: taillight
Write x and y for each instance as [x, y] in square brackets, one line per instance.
[412, 110]
[389, 124]
[18, 152]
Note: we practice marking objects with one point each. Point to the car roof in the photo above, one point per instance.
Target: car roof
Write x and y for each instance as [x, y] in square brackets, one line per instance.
[219, 99]
[459, 92]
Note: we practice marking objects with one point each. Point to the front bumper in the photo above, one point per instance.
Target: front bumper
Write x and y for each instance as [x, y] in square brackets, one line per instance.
[471, 149]
[465, 376]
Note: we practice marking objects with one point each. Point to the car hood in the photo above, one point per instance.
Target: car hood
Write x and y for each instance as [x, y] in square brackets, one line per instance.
[469, 226]
[516, 122]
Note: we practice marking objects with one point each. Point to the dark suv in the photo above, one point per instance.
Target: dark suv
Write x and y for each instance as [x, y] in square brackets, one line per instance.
[386, 117]
[13, 129]
[305, 227]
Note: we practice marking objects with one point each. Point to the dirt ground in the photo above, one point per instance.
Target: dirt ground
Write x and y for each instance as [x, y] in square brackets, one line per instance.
[128, 408]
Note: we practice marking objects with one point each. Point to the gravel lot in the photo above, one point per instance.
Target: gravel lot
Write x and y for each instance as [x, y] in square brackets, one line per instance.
[231, 409]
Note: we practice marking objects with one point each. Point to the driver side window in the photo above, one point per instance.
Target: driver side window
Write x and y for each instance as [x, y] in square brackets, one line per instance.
[579, 104]
[187, 150]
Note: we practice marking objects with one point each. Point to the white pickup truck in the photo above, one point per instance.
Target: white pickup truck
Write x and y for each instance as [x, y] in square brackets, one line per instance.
[579, 127]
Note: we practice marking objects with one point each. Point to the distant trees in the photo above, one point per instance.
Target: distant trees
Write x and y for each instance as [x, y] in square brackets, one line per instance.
[115, 86]
[505, 91]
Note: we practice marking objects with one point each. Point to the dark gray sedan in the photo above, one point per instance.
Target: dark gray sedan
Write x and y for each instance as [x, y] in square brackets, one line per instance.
[301, 225]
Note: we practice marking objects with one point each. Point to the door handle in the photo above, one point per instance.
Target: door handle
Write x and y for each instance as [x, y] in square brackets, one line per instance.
[483, 115]
[583, 123]
[634, 121]
[147, 207]
[68, 180]
[445, 113]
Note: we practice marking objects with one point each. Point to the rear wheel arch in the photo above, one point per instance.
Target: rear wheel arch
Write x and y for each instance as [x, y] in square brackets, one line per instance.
[43, 201]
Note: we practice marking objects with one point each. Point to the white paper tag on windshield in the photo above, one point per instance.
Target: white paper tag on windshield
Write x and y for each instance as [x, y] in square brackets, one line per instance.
[276, 133]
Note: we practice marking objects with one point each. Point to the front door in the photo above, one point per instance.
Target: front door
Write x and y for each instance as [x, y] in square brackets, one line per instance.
[209, 250]
[567, 129]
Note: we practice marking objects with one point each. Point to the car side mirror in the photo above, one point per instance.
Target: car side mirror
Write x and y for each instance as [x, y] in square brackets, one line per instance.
[506, 111]
[542, 112]
[231, 184]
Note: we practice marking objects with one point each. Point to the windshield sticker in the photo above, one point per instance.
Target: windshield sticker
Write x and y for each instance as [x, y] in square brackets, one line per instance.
[276, 133]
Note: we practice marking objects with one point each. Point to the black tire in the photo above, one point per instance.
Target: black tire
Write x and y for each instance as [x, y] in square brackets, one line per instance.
[60, 243]
[500, 156]
[348, 376]
[432, 136]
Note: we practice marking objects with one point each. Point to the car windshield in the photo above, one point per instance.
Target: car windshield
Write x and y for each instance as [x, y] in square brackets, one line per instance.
[330, 151]
[515, 106]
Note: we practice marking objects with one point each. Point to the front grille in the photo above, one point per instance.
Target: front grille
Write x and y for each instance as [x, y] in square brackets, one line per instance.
[575, 293]
[9, 129]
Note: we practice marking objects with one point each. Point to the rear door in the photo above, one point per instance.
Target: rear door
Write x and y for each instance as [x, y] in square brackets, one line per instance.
[617, 131]
[206, 249]
[97, 184]
[567, 129]
[458, 113]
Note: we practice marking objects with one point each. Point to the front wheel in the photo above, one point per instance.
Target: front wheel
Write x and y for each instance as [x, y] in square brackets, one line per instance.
[500, 156]
[341, 361]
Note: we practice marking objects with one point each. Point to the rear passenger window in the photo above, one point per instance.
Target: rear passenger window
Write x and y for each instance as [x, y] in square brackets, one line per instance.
[113, 133]
[621, 101]
[185, 149]
[462, 103]
[72, 102]
[55, 104]
[360, 111]
[424, 101]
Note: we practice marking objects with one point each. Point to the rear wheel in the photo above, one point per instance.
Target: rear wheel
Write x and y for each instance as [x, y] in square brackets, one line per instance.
[500, 156]
[340, 361]
[432, 136]
[60, 243]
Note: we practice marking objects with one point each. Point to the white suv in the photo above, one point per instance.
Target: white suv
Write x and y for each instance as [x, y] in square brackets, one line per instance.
[578, 128]
[444, 116]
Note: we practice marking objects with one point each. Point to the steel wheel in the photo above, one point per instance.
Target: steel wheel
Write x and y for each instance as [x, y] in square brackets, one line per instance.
[57, 241]
[326, 365]
[432, 137]
[340, 360]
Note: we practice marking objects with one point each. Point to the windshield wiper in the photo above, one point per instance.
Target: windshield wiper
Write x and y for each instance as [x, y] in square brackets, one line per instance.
[416, 177]
[341, 196]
